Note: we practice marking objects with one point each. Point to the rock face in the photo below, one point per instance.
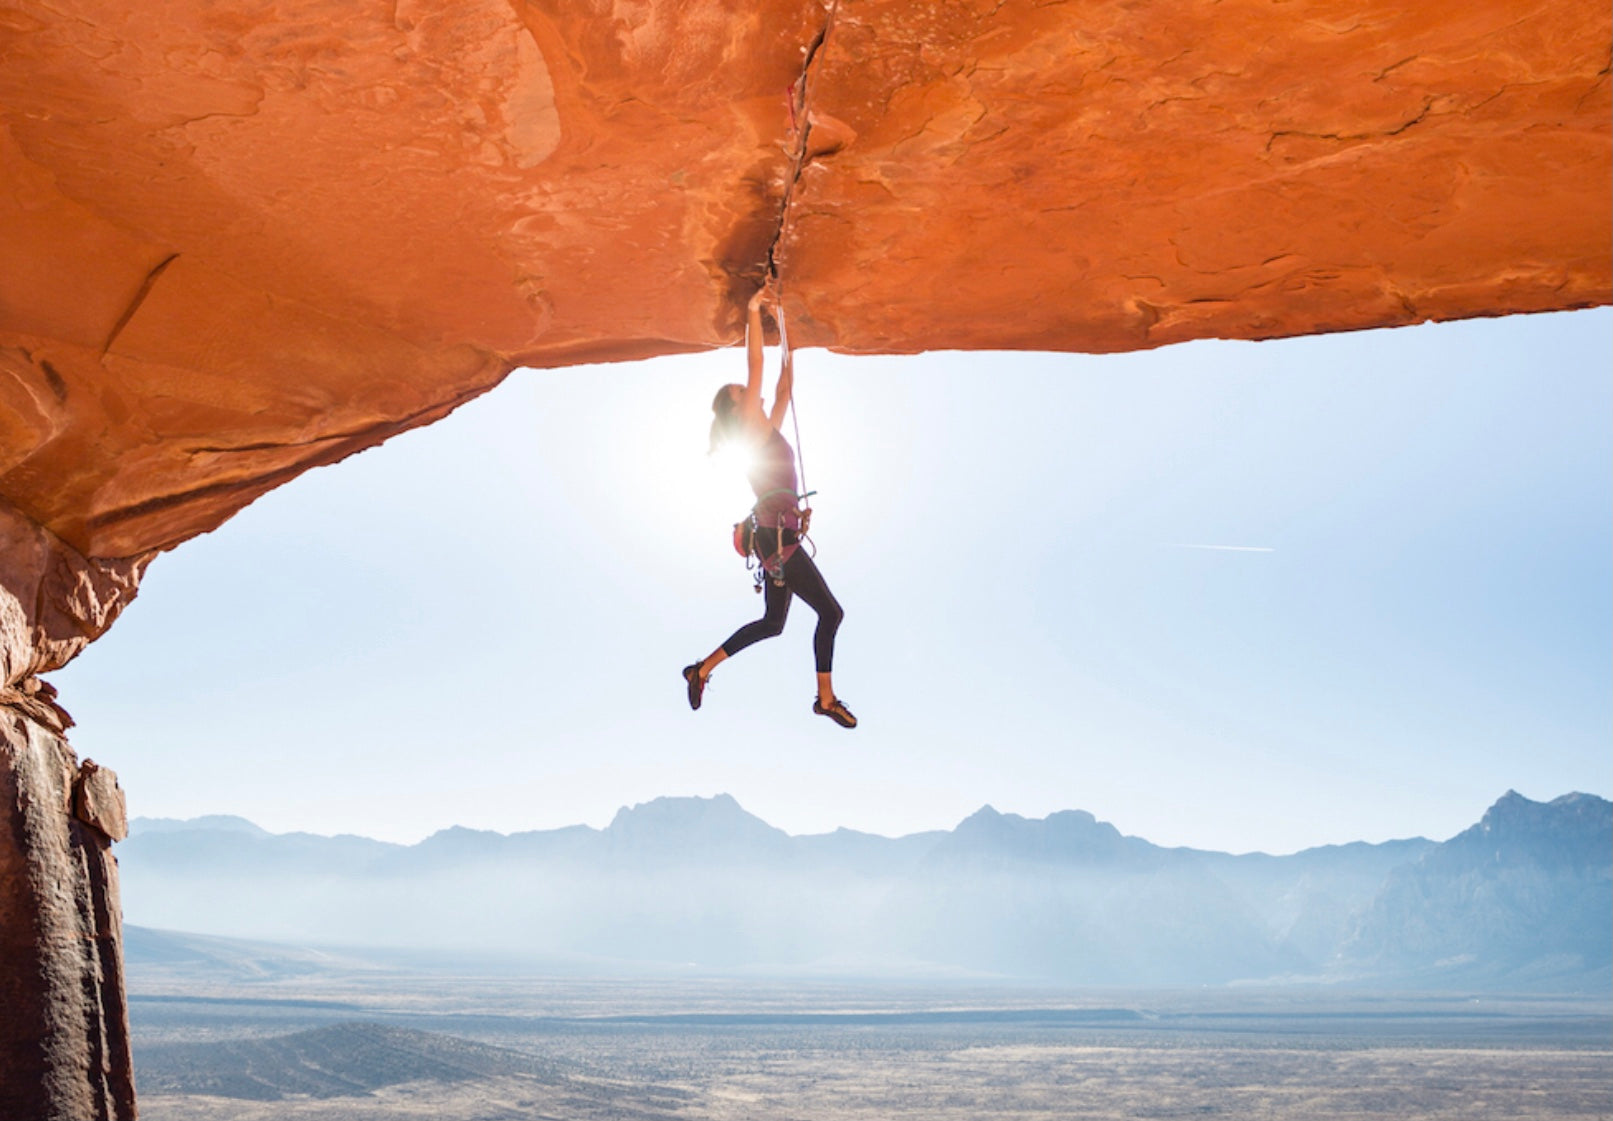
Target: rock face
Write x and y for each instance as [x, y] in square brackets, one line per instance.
[239, 240]
[53, 600]
[64, 1034]
[1525, 893]
[64, 1039]
[1116, 175]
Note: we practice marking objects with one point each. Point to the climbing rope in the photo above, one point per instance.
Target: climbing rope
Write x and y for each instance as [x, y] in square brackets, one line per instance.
[787, 362]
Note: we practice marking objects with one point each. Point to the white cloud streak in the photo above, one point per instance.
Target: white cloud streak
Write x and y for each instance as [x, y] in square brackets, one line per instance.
[1229, 548]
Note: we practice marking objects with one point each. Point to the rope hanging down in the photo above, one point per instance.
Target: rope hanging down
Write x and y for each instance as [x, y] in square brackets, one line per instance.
[787, 361]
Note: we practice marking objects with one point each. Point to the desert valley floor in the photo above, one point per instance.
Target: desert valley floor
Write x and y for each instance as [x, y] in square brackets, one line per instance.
[390, 1044]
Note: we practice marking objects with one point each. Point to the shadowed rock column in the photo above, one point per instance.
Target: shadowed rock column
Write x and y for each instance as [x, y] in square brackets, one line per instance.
[64, 1022]
[64, 1033]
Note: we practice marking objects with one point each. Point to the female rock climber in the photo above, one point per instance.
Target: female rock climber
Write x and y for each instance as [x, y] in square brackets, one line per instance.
[739, 416]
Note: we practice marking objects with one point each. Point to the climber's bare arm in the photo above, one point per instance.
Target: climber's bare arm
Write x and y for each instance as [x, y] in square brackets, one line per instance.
[753, 352]
[781, 395]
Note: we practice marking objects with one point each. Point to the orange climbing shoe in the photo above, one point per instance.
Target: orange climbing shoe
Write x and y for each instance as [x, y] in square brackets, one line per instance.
[836, 711]
[696, 683]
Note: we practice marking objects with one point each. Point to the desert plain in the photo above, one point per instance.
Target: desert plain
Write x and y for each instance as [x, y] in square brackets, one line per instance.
[387, 1044]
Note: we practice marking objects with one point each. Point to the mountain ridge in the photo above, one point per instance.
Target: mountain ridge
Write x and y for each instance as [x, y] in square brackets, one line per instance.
[1521, 897]
[708, 806]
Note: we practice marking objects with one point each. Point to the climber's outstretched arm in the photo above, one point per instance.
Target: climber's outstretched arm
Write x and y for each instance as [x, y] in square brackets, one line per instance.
[753, 353]
[781, 395]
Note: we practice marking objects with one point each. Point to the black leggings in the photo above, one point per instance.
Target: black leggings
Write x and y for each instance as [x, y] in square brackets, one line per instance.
[801, 578]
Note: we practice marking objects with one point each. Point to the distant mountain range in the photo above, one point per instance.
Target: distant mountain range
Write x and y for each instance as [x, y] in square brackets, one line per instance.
[1522, 900]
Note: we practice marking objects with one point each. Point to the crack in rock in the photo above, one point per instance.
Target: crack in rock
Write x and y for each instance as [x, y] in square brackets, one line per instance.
[1428, 106]
[801, 124]
[139, 298]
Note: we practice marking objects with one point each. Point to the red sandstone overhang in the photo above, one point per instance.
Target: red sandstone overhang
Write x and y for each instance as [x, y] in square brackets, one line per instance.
[241, 239]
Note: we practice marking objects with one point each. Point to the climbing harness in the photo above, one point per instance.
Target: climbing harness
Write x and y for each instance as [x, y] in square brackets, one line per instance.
[747, 540]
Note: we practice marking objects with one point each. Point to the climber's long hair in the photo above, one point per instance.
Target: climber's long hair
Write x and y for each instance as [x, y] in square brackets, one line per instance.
[725, 422]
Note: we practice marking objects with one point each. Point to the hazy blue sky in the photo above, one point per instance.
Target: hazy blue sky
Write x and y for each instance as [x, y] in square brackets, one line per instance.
[482, 623]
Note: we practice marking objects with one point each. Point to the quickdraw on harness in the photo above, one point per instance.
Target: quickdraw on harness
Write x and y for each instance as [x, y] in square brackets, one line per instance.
[747, 539]
[747, 532]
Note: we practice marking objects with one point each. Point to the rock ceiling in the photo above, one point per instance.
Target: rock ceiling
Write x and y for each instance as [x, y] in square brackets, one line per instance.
[240, 239]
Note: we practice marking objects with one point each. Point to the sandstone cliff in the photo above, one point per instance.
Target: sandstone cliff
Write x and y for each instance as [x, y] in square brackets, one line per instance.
[64, 1031]
[239, 240]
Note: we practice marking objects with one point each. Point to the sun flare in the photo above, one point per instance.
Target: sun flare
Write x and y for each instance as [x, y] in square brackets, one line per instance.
[734, 458]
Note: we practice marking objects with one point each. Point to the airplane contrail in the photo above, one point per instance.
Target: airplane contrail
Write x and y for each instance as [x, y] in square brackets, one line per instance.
[1229, 548]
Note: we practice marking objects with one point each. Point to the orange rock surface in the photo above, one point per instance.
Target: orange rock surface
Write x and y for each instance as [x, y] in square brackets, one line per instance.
[239, 239]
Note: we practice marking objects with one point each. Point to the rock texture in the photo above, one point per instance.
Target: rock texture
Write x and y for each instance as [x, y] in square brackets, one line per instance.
[64, 1032]
[1115, 175]
[1525, 893]
[53, 601]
